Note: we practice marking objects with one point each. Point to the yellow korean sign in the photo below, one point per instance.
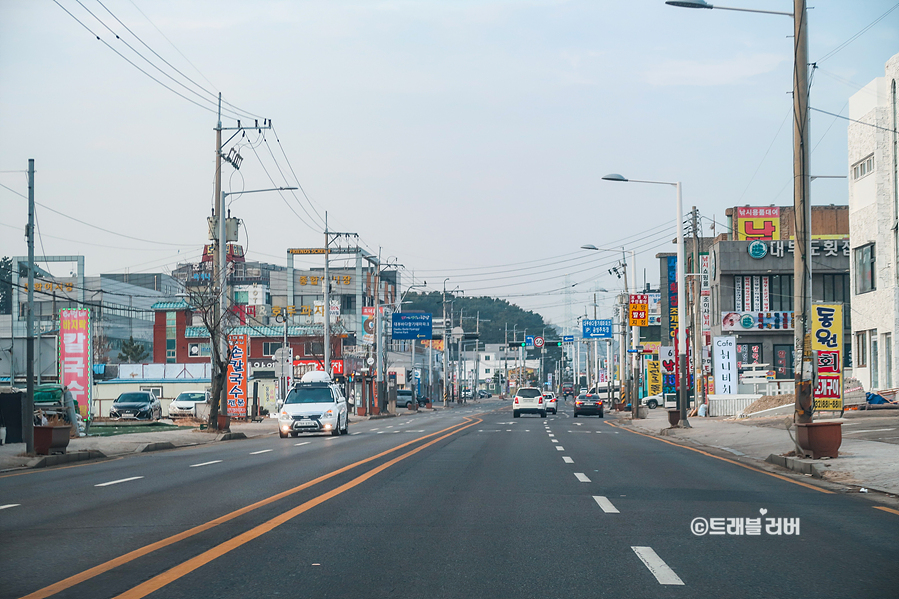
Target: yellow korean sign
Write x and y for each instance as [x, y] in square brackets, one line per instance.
[827, 343]
[653, 377]
[758, 223]
[639, 310]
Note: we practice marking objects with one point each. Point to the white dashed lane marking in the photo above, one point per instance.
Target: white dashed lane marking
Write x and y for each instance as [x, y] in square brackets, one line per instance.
[567, 460]
[581, 477]
[606, 505]
[205, 464]
[657, 566]
[308, 442]
[121, 480]
[9, 505]
[260, 451]
[356, 433]
[559, 448]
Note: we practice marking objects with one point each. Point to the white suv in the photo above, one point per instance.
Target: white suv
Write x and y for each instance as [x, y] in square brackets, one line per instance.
[528, 400]
[551, 401]
[314, 405]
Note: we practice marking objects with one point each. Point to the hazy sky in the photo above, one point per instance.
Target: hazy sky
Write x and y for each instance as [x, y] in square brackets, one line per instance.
[466, 139]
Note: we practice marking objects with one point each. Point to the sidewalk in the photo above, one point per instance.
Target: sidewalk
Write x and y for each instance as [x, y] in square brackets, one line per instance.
[869, 464]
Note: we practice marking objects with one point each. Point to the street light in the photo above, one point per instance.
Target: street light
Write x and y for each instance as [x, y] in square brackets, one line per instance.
[681, 283]
[802, 272]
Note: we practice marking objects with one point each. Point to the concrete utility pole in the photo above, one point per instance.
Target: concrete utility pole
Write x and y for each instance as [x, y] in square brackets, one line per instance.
[697, 314]
[802, 271]
[447, 328]
[220, 268]
[326, 284]
[28, 411]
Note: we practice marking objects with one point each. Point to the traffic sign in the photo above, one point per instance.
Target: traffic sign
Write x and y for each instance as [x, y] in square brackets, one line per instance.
[597, 329]
[568, 339]
[529, 341]
[539, 342]
[406, 325]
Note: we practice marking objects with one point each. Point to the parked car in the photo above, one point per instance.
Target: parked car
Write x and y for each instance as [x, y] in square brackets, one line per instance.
[184, 406]
[404, 399]
[653, 401]
[136, 405]
[484, 394]
[552, 402]
[588, 404]
[314, 405]
[528, 400]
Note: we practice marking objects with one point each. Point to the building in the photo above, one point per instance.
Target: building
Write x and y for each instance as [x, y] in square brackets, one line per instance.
[873, 222]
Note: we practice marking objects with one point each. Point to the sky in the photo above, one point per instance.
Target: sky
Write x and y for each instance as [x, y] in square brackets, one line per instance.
[459, 139]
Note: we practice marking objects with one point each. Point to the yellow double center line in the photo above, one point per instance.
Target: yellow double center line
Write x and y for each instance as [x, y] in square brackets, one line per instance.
[206, 557]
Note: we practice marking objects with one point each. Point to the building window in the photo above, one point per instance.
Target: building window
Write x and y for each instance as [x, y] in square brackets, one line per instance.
[315, 348]
[861, 349]
[888, 360]
[863, 167]
[486, 358]
[486, 371]
[875, 360]
[783, 362]
[781, 293]
[836, 290]
[864, 269]
[270, 347]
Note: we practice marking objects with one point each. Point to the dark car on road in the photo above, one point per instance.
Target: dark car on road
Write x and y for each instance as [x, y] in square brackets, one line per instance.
[136, 405]
[588, 404]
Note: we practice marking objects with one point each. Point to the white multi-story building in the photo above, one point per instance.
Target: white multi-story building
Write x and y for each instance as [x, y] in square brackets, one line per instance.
[873, 220]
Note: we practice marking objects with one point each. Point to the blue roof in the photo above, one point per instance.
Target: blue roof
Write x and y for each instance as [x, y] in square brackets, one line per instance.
[179, 305]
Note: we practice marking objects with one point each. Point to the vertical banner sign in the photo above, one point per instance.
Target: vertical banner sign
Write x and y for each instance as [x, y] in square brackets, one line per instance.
[705, 273]
[237, 376]
[747, 294]
[368, 325]
[75, 359]
[725, 361]
[756, 293]
[638, 315]
[705, 312]
[666, 363]
[653, 377]
[766, 294]
[738, 293]
[672, 297]
[827, 341]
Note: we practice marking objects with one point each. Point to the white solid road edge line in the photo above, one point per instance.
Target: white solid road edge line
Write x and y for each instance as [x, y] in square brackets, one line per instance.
[205, 464]
[581, 477]
[606, 505]
[657, 566]
[121, 480]
[9, 505]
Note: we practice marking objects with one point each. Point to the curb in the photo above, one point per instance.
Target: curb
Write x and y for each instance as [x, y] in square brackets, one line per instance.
[229, 436]
[154, 447]
[803, 466]
[64, 458]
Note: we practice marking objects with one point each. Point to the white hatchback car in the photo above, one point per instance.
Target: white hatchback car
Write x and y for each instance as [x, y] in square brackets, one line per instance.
[314, 405]
[551, 401]
[528, 400]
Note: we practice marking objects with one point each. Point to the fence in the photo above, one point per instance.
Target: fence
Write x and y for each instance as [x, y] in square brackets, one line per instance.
[729, 405]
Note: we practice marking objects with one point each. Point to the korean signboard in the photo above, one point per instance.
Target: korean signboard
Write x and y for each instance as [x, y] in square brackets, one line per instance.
[672, 297]
[368, 325]
[236, 382]
[638, 313]
[827, 342]
[75, 363]
[653, 377]
[758, 223]
[411, 325]
[597, 329]
[756, 321]
[724, 355]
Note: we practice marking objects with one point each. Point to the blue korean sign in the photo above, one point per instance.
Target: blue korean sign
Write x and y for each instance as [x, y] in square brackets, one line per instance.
[411, 326]
[597, 329]
[529, 341]
[568, 339]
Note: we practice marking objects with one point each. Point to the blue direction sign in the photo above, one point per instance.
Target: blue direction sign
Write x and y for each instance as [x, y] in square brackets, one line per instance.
[568, 339]
[529, 342]
[597, 329]
[408, 325]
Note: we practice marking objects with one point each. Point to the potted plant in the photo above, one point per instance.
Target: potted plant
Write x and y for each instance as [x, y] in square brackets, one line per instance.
[820, 439]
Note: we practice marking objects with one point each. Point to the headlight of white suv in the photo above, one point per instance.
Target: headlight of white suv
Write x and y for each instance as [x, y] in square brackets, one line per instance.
[328, 414]
[284, 416]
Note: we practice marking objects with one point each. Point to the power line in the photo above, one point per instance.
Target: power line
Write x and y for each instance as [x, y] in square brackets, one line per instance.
[859, 34]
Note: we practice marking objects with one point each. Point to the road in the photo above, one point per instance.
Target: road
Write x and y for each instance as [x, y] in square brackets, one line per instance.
[467, 502]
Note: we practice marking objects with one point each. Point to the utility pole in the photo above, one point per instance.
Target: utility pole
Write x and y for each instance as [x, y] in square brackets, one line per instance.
[447, 328]
[28, 412]
[506, 362]
[802, 272]
[326, 284]
[697, 315]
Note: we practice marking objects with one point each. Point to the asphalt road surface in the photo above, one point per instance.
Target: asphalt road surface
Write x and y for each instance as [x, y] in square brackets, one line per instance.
[467, 502]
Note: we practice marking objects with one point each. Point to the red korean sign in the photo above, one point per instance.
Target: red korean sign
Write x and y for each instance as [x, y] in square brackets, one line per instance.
[238, 373]
[75, 363]
[336, 365]
[638, 314]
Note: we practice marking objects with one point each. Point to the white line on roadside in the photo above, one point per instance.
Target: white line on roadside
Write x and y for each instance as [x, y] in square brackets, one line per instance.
[356, 433]
[305, 443]
[9, 505]
[606, 505]
[657, 566]
[121, 480]
[205, 464]
[581, 477]
[559, 448]
[871, 430]
[260, 451]
[567, 460]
